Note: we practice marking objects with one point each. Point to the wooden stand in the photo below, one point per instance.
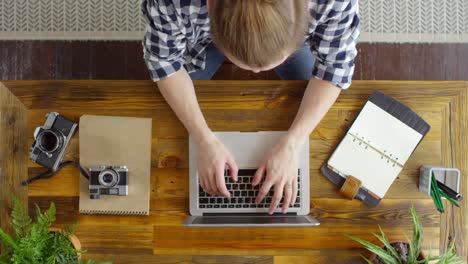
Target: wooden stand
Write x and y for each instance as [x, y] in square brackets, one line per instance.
[13, 154]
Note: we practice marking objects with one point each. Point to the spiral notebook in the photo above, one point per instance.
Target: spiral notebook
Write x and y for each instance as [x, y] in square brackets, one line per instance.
[376, 147]
[117, 141]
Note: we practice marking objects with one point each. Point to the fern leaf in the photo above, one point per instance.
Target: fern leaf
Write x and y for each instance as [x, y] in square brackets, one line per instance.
[66, 259]
[35, 244]
[69, 230]
[45, 220]
[34, 247]
[21, 221]
[61, 250]
[7, 240]
[4, 260]
[50, 260]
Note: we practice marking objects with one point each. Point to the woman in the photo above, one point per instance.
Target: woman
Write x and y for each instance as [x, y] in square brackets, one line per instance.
[311, 40]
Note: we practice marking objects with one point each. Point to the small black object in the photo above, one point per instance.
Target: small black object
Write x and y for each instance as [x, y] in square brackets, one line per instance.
[49, 173]
[449, 191]
[95, 196]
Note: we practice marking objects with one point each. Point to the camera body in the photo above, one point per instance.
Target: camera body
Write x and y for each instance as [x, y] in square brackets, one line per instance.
[51, 140]
[108, 180]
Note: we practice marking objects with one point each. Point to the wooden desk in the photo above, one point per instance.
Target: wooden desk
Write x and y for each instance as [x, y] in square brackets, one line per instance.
[250, 106]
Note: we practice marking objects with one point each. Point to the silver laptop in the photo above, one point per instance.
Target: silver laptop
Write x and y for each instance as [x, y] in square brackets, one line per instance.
[248, 148]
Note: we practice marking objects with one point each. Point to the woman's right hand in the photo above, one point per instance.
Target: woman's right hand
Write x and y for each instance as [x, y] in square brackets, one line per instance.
[213, 157]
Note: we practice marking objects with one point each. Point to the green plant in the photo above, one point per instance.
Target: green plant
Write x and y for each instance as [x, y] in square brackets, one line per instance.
[389, 254]
[33, 243]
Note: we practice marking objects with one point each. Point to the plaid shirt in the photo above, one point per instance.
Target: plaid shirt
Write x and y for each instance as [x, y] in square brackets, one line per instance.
[178, 32]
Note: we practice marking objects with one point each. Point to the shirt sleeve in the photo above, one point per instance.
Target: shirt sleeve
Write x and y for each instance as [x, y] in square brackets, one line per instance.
[333, 41]
[164, 42]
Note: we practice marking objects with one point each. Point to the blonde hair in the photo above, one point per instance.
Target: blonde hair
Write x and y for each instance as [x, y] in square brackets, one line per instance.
[256, 32]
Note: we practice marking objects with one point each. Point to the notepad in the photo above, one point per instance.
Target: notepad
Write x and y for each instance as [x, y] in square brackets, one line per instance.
[376, 146]
[117, 141]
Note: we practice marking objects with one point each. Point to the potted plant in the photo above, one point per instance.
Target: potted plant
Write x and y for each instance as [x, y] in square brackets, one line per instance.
[36, 242]
[405, 252]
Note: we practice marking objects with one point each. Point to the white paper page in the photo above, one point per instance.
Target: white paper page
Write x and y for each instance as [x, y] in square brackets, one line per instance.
[385, 132]
[365, 164]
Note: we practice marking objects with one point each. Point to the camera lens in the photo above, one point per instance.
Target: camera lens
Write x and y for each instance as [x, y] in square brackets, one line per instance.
[108, 178]
[48, 141]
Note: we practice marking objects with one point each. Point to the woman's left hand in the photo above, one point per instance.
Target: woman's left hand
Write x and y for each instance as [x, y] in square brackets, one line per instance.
[280, 170]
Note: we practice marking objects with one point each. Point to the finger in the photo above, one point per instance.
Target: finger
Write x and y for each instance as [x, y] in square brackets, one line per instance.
[233, 168]
[266, 186]
[205, 184]
[294, 192]
[221, 183]
[287, 197]
[258, 175]
[211, 184]
[276, 198]
[202, 183]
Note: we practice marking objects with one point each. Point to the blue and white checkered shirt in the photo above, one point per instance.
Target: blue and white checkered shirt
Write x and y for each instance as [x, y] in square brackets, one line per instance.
[178, 31]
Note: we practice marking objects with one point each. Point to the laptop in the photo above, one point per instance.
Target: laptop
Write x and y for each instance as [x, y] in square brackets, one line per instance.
[249, 149]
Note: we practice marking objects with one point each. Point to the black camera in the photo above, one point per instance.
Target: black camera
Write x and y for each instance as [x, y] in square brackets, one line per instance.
[51, 140]
[108, 180]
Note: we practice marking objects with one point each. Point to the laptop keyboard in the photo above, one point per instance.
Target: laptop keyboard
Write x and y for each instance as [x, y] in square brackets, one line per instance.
[243, 194]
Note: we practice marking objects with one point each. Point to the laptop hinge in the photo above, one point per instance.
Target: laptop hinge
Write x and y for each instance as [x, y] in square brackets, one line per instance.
[249, 214]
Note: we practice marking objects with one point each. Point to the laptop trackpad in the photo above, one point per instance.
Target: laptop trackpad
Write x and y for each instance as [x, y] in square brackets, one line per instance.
[265, 221]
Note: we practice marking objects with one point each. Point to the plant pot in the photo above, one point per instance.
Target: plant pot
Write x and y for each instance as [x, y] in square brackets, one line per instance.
[373, 257]
[73, 239]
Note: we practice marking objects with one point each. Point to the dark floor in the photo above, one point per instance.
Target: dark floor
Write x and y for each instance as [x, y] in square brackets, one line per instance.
[34, 60]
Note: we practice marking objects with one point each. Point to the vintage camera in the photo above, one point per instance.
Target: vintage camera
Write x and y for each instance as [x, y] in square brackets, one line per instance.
[108, 180]
[51, 140]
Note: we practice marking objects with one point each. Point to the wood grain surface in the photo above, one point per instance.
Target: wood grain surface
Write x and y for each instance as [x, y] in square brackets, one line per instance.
[251, 106]
[13, 154]
[59, 60]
